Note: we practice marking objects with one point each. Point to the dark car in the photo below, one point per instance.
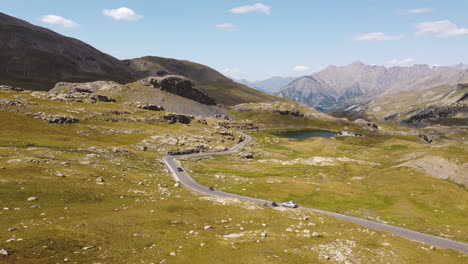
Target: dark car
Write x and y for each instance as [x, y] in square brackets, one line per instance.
[180, 169]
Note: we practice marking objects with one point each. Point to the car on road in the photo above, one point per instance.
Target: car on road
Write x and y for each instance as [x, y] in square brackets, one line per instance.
[180, 169]
[290, 204]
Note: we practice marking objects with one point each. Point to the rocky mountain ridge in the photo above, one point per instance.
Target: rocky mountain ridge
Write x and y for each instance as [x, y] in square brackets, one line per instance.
[271, 85]
[339, 87]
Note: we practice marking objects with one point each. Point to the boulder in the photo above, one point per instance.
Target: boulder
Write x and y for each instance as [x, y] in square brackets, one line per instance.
[100, 180]
[32, 198]
[103, 98]
[372, 125]
[4, 252]
[425, 138]
[177, 118]
[151, 107]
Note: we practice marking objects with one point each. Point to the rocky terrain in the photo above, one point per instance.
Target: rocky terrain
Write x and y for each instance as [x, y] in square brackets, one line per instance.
[336, 88]
[176, 95]
[220, 88]
[445, 105]
[81, 182]
[178, 85]
[95, 190]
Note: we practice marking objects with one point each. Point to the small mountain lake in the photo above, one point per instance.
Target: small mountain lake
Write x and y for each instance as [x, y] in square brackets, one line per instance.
[305, 134]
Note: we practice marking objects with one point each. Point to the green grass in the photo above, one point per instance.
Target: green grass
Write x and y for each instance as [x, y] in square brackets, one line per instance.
[400, 196]
[127, 222]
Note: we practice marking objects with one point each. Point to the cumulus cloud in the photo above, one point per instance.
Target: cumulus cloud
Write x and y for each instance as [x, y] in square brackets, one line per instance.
[228, 27]
[58, 20]
[441, 29]
[417, 11]
[377, 36]
[300, 68]
[123, 13]
[252, 8]
[400, 62]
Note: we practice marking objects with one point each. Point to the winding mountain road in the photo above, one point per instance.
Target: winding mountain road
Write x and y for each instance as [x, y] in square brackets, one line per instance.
[183, 177]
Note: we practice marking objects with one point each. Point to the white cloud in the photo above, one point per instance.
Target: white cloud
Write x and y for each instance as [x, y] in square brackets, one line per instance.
[252, 8]
[123, 13]
[228, 27]
[443, 28]
[417, 11]
[377, 36]
[230, 71]
[300, 68]
[58, 20]
[400, 62]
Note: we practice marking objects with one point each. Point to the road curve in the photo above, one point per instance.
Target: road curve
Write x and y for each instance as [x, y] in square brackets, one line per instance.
[183, 177]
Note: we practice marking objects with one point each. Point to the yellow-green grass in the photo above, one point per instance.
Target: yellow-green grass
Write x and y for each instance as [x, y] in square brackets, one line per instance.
[129, 222]
[378, 190]
[410, 103]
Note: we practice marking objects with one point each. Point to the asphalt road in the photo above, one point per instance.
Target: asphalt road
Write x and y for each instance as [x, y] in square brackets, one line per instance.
[183, 177]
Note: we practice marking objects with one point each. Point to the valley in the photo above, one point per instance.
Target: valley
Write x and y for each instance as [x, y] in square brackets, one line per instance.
[99, 186]
[147, 159]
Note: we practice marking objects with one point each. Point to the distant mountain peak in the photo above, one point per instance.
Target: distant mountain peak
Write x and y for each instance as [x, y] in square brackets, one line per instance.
[358, 63]
[337, 87]
[461, 66]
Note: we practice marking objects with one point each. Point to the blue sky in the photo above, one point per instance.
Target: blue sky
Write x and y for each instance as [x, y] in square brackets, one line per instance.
[262, 38]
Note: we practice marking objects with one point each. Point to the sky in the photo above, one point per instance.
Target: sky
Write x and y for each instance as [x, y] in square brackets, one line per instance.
[255, 40]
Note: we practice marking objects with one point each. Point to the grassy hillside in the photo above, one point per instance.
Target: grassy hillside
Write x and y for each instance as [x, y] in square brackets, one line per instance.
[409, 103]
[36, 58]
[396, 179]
[138, 215]
[217, 86]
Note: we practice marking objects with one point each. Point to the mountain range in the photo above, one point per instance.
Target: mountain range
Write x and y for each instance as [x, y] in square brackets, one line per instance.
[37, 58]
[336, 88]
[271, 85]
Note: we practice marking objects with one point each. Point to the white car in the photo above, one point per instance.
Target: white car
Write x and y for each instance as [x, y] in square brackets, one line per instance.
[290, 204]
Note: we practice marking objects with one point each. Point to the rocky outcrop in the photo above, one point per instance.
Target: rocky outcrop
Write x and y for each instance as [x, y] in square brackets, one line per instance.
[80, 97]
[176, 118]
[425, 138]
[456, 113]
[151, 107]
[82, 92]
[55, 119]
[180, 86]
[11, 103]
[294, 112]
[86, 87]
[11, 88]
[348, 134]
